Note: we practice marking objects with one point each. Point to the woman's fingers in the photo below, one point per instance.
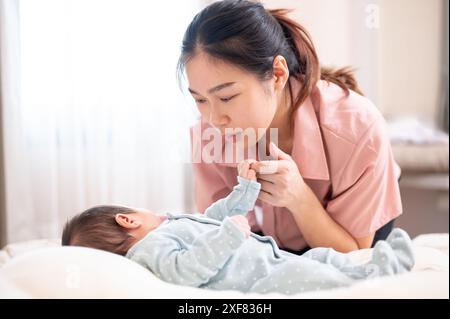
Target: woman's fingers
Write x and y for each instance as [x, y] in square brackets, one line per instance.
[265, 167]
[267, 186]
[271, 178]
[264, 170]
[276, 152]
[266, 197]
[269, 167]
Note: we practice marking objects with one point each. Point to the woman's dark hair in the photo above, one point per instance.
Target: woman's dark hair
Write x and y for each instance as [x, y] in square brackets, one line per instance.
[247, 35]
[97, 228]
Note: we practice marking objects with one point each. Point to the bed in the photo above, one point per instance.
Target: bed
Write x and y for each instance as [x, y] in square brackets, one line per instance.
[44, 269]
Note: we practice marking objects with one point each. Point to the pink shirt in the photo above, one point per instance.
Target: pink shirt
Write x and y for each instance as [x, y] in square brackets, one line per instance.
[343, 153]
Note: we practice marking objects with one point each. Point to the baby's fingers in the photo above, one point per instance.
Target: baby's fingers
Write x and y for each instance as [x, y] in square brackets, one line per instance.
[243, 168]
[251, 174]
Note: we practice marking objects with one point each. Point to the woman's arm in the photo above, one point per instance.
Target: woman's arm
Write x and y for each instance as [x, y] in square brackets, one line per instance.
[319, 229]
[283, 186]
[366, 196]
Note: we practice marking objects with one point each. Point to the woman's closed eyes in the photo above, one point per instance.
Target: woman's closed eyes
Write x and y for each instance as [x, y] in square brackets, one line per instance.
[223, 99]
[228, 99]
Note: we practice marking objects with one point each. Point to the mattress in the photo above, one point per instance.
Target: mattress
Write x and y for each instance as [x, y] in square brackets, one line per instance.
[44, 269]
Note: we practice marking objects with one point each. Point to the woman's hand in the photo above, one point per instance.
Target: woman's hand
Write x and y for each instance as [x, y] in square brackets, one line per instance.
[281, 182]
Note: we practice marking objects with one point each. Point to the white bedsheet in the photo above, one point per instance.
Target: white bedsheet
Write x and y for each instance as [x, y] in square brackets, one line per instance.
[43, 269]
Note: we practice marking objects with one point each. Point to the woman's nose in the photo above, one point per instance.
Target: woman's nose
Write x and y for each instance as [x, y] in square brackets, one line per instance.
[218, 119]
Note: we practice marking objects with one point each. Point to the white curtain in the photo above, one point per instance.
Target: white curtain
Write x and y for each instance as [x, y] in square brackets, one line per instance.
[92, 112]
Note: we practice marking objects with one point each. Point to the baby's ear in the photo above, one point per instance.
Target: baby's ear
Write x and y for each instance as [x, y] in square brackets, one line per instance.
[127, 221]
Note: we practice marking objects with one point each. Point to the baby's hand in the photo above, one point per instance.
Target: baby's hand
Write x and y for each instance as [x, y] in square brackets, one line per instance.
[245, 170]
[242, 223]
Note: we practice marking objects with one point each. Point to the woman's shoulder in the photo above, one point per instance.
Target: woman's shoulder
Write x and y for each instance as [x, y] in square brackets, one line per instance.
[347, 116]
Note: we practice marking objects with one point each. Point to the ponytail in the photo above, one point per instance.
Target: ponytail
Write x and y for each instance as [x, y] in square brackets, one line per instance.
[344, 77]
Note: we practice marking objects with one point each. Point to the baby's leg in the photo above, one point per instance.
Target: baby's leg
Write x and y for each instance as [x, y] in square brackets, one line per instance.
[324, 268]
[395, 255]
[296, 275]
[339, 261]
[392, 256]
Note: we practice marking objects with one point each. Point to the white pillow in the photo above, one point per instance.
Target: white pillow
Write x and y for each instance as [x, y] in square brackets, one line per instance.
[9, 290]
[78, 272]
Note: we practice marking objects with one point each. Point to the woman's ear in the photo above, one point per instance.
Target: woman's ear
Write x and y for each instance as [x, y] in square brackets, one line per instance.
[127, 221]
[280, 72]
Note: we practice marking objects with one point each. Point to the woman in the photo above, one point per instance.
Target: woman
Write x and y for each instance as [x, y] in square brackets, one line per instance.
[336, 182]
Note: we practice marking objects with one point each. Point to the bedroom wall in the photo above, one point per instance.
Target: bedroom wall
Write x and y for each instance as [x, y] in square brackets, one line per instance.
[410, 57]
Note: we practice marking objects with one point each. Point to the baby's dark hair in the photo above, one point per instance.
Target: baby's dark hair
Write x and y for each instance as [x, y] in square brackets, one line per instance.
[96, 227]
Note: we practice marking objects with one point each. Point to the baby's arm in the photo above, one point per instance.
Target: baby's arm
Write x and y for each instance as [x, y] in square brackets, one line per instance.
[241, 199]
[171, 261]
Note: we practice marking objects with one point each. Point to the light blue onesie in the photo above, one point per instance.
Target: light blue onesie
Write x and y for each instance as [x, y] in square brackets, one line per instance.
[210, 251]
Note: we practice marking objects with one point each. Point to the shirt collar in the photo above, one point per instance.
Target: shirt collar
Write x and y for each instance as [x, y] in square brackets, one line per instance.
[308, 149]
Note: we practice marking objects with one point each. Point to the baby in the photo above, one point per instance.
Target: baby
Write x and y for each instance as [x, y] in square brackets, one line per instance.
[216, 250]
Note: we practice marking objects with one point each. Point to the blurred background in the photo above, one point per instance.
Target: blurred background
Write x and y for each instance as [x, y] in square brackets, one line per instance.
[91, 112]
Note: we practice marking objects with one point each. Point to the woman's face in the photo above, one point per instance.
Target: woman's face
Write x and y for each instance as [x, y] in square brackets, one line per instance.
[228, 97]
